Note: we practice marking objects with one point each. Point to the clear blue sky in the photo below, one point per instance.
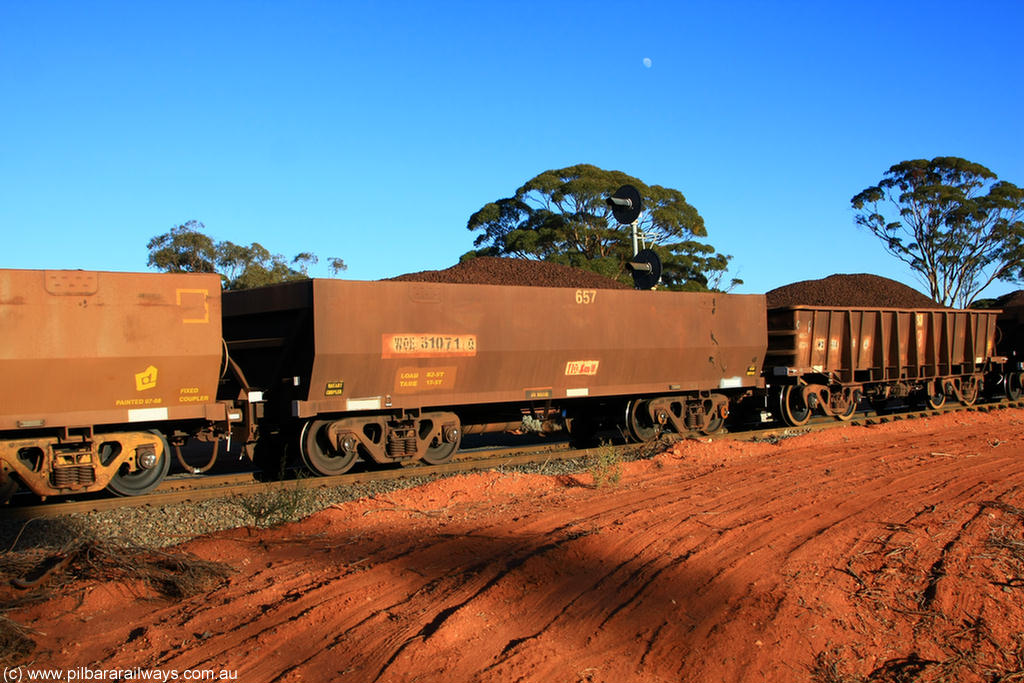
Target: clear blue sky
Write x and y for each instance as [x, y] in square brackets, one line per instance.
[371, 131]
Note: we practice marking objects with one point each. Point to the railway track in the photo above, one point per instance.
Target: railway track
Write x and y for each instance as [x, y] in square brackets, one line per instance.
[183, 489]
[186, 488]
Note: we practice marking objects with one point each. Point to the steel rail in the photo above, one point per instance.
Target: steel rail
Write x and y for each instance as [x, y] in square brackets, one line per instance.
[187, 489]
[223, 486]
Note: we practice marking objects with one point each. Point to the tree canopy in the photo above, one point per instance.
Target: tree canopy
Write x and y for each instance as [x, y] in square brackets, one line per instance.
[952, 221]
[561, 216]
[187, 249]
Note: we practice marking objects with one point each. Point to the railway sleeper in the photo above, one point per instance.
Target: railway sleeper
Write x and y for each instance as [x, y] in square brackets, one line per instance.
[126, 463]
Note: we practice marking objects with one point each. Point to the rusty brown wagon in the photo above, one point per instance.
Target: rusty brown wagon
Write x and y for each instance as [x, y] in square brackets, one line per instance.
[100, 371]
[1010, 342]
[825, 359]
[398, 371]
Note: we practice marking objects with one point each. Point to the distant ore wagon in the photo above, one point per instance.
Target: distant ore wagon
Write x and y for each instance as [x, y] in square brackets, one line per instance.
[825, 359]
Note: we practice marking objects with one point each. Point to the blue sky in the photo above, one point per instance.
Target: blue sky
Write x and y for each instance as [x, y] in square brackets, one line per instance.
[372, 131]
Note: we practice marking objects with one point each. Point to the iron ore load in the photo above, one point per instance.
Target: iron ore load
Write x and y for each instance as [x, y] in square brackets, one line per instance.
[103, 375]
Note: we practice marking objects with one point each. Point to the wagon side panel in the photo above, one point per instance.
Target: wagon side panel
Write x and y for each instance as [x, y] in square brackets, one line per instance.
[381, 345]
[857, 344]
[84, 348]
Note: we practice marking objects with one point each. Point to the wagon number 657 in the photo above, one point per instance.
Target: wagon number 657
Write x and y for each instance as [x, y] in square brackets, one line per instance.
[586, 296]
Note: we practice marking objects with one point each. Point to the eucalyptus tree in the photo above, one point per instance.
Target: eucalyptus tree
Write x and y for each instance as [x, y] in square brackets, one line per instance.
[952, 221]
[186, 248]
[562, 216]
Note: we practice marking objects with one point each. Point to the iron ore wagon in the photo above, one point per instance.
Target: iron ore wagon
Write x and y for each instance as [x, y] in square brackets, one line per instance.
[397, 371]
[99, 371]
[825, 359]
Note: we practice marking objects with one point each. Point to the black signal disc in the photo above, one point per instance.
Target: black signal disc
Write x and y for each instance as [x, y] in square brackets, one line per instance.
[646, 267]
[626, 214]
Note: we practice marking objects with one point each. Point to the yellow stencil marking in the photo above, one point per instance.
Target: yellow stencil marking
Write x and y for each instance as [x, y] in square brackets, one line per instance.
[146, 379]
[586, 296]
[192, 395]
[412, 380]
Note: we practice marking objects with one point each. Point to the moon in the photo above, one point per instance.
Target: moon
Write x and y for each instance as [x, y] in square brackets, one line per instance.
[647, 62]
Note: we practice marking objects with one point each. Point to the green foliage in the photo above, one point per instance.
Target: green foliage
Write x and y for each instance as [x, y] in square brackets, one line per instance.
[605, 466]
[336, 265]
[952, 221]
[184, 249]
[187, 249]
[561, 216]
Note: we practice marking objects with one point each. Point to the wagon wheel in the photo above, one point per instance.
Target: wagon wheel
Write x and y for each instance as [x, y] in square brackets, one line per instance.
[319, 454]
[969, 394]
[850, 411]
[1013, 386]
[442, 449]
[143, 480]
[792, 407]
[714, 423]
[937, 400]
[639, 423]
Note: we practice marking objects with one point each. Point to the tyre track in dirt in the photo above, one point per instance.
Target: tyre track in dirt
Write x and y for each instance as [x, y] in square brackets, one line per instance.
[720, 561]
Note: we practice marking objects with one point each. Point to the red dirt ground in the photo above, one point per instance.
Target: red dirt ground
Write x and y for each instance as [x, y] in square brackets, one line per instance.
[885, 550]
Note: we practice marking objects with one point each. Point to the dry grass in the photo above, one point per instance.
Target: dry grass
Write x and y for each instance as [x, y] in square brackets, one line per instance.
[890, 578]
[829, 667]
[1005, 507]
[275, 506]
[1007, 540]
[172, 575]
[15, 642]
[1011, 667]
[37, 577]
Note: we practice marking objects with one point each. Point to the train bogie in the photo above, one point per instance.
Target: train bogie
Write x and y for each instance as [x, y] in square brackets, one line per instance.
[1011, 343]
